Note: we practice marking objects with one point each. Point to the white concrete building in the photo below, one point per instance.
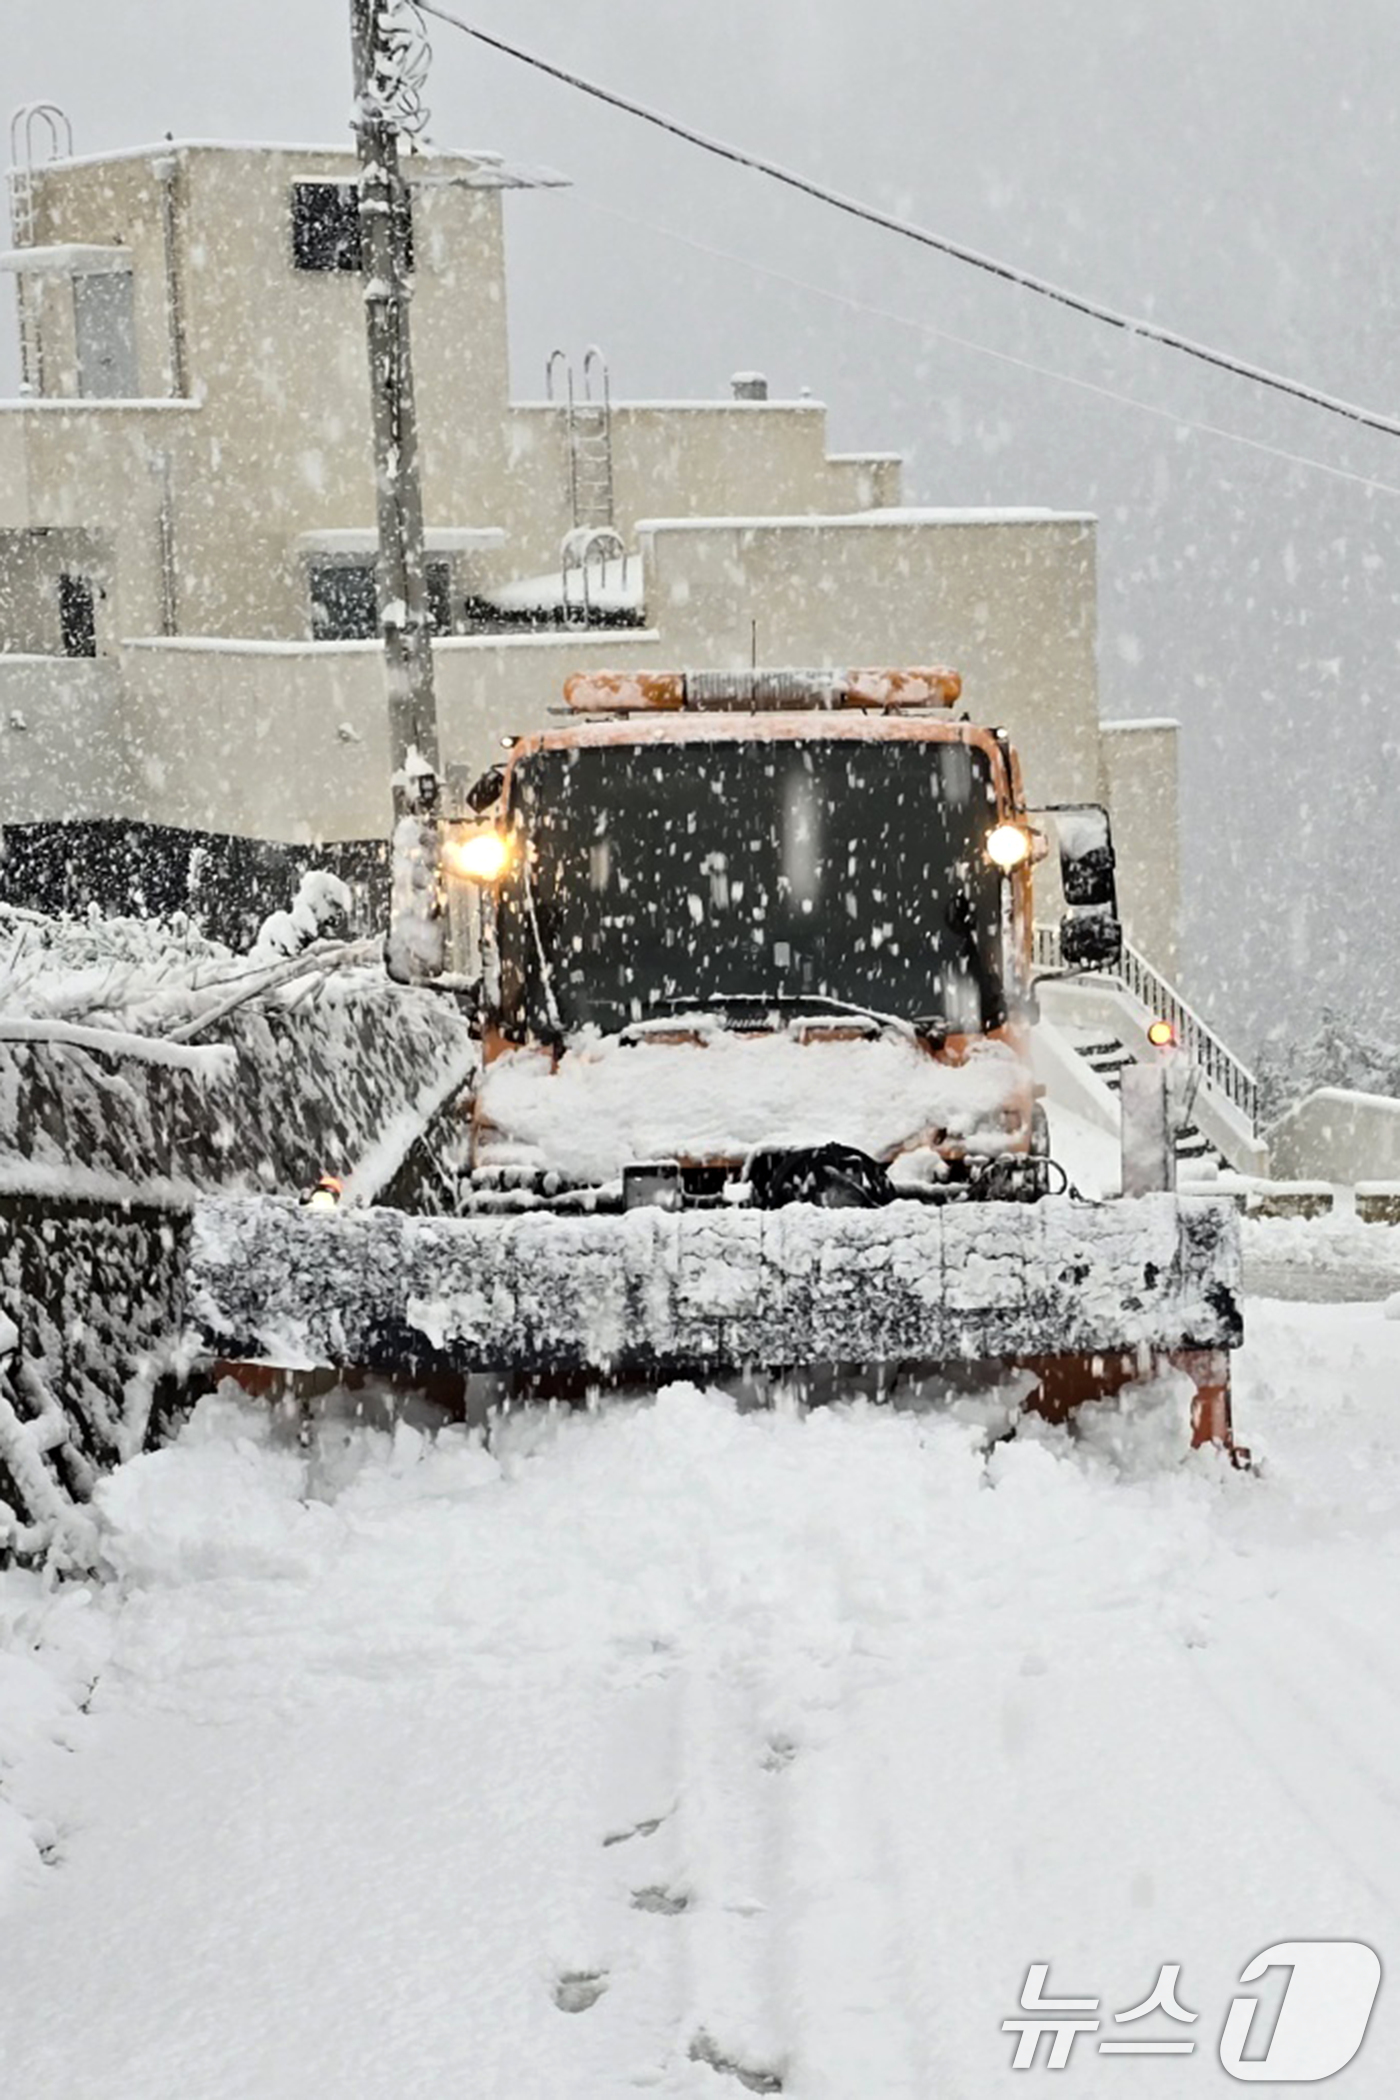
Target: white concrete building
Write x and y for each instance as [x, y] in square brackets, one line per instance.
[191, 695]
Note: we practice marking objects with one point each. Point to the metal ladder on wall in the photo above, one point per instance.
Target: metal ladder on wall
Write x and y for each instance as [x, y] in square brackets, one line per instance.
[30, 121]
[588, 429]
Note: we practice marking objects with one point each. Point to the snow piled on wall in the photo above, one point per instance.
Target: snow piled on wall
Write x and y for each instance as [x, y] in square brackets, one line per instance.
[323, 1056]
[110, 1123]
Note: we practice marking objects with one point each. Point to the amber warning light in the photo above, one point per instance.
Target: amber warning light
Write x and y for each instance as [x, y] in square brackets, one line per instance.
[1161, 1035]
[671, 692]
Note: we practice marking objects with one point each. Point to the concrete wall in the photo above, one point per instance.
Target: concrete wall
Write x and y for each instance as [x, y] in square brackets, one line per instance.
[1336, 1135]
[864, 481]
[63, 747]
[290, 741]
[30, 566]
[98, 466]
[275, 357]
[1009, 600]
[685, 460]
[14, 471]
[1138, 780]
[278, 354]
[112, 203]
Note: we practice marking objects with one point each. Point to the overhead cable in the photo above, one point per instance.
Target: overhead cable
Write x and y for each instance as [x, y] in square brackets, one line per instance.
[1180, 423]
[1149, 331]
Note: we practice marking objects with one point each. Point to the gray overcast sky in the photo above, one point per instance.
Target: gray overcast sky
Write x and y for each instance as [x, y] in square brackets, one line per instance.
[1230, 169]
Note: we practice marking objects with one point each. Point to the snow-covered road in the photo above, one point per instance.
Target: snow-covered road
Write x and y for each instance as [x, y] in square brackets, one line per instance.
[675, 1747]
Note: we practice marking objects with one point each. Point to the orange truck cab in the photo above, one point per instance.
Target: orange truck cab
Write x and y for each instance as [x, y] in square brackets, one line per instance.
[762, 937]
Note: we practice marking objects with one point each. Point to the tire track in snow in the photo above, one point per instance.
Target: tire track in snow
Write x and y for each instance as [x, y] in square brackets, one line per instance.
[639, 1785]
[732, 1851]
[850, 1943]
[692, 1858]
[1266, 1689]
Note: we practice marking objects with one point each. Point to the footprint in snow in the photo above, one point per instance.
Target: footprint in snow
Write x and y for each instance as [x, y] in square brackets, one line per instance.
[753, 2077]
[578, 1989]
[667, 1903]
[645, 1829]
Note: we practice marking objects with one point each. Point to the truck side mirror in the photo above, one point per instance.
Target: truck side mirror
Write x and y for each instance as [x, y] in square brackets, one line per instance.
[485, 792]
[1090, 939]
[1091, 934]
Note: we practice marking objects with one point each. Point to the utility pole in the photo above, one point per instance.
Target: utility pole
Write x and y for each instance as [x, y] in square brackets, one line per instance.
[386, 103]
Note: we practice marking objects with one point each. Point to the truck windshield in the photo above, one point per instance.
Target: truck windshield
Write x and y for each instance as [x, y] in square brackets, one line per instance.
[656, 875]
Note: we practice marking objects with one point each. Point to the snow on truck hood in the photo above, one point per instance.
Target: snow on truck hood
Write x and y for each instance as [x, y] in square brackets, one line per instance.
[611, 1102]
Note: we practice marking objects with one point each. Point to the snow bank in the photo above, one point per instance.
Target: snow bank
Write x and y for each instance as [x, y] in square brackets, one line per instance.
[612, 1101]
[1323, 1260]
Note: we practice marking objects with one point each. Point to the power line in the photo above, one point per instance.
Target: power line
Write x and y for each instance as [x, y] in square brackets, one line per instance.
[1005, 357]
[1149, 331]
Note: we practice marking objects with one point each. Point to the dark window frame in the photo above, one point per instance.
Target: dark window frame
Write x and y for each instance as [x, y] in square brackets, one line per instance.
[357, 603]
[325, 224]
[344, 600]
[77, 613]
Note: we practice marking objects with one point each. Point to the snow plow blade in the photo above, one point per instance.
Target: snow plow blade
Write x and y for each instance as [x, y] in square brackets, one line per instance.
[1086, 1297]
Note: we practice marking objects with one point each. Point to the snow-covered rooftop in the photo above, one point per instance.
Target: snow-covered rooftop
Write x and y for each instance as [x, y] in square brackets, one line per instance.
[67, 259]
[870, 518]
[611, 586]
[236, 645]
[363, 539]
[89, 404]
[342, 149]
[804, 406]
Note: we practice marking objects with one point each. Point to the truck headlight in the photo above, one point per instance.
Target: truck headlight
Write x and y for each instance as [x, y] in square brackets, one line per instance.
[479, 856]
[1006, 846]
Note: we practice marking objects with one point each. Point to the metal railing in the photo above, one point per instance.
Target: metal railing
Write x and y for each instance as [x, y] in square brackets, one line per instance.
[1217, 1064]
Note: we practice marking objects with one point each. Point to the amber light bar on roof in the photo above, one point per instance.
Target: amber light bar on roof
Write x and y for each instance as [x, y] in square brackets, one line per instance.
[671, 692]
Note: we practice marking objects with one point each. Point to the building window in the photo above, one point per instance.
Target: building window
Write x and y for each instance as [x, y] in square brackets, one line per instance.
[437, 589]
[104, 327]
[77, 616]
[326, 227]
[345, 603]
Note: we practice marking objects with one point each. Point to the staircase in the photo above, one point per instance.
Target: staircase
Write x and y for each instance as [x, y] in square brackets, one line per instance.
[1103, 1017]
[1107, 1054]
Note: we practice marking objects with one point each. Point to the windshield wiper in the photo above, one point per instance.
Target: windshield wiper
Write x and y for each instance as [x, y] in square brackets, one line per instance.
[929, 1028]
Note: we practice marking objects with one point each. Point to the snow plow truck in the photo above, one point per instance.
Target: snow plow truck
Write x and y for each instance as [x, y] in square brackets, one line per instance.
[751, 964]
